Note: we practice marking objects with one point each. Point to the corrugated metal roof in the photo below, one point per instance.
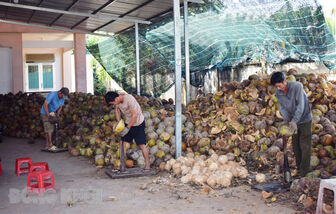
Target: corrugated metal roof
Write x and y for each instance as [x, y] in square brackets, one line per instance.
[127, 9]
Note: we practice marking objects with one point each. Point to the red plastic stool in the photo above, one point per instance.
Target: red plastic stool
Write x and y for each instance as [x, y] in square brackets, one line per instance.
[19, 162]
[33, 177]
[40, 177]
[40, 165]
[0, 168]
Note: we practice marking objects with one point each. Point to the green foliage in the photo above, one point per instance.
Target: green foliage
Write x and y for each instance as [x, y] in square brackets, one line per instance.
[99, 75]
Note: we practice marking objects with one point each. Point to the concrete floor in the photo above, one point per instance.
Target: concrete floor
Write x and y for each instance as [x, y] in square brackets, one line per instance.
[82, 188]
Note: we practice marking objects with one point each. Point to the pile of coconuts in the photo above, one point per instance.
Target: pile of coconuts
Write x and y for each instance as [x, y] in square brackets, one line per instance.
[20, 115]
[242, 118]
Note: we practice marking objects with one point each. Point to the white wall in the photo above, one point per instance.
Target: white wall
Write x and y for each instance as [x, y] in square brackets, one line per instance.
[68, 71]
[6, 82]
[89, 74]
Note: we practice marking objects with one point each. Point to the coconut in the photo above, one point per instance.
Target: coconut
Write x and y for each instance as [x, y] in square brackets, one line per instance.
[273, 150]
[185, 170]
[119, 126]
[260, 178]
[129, 163]
[164, 136]
[154, 150]
[213, 166]
[284, 130]
[214, 156]
[223, 181]
[186, 179]
[162, 166]
[177, 168]
[243, 173]
[211, 181]
[314, 161]
[222, 159]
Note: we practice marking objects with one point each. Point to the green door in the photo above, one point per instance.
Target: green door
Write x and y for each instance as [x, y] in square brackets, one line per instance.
[47, 76]
[33, 77]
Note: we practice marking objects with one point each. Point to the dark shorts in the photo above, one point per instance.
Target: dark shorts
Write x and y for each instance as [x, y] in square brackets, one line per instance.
[137, 133]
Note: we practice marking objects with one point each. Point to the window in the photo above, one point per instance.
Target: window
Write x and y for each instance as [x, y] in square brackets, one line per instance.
[40, 76]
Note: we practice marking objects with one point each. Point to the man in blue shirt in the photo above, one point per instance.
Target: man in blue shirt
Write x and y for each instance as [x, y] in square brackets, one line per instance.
[52, 106]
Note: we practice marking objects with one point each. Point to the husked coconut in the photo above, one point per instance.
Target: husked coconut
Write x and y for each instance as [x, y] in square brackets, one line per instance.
[214, 157]
[195, 171]
[243, 173]
[177, 168]
[227, 174]
[223, 159]
[234, 171]
[185, 170]
[260, 178]
[190, 155]
[213, 166]
[189, 162]
[223, 181]
[181, 159]
[162, 166]
[211, 181]
[230, 156]
[186, 179]
[200, 179]
[198, 164]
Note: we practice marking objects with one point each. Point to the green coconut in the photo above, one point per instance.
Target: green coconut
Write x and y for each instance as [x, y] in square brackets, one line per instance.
[243, 108]
[285, 131]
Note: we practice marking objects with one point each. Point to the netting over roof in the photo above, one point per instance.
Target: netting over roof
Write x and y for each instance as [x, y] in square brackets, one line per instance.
[222, 34]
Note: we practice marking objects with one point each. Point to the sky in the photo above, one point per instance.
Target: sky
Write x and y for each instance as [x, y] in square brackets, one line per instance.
[327, 6]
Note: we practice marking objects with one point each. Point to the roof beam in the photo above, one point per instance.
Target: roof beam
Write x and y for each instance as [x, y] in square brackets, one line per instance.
[53, 28]
[94, 12]
[31, 15]
[67, 9]
[160, 14]
[131, 11]
[74, 13]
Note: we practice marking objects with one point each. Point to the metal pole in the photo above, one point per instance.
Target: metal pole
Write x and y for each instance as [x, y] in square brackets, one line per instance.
[186, 51]
[137, 58]
[178, 82]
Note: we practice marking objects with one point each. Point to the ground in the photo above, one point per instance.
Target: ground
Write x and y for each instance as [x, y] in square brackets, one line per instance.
[81, 187]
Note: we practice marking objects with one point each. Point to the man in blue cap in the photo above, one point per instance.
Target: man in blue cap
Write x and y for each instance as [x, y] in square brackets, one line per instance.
[52, 107]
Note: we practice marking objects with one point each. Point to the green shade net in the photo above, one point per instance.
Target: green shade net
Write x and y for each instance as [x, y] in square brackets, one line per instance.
[222, 35]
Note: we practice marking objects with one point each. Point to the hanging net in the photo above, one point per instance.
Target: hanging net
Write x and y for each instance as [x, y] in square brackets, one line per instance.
[222, 34]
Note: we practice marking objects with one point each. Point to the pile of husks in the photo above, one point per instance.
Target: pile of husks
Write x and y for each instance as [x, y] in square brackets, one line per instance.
[243, 118]
[20, 115]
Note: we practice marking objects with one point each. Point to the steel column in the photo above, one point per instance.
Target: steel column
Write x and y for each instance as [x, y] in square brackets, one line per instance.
[178, 82]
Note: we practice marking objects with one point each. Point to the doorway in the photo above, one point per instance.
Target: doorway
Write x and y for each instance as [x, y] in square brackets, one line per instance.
[6, 80]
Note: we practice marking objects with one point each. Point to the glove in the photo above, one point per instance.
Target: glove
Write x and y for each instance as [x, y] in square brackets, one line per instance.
[124, 132]
[293, 126]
